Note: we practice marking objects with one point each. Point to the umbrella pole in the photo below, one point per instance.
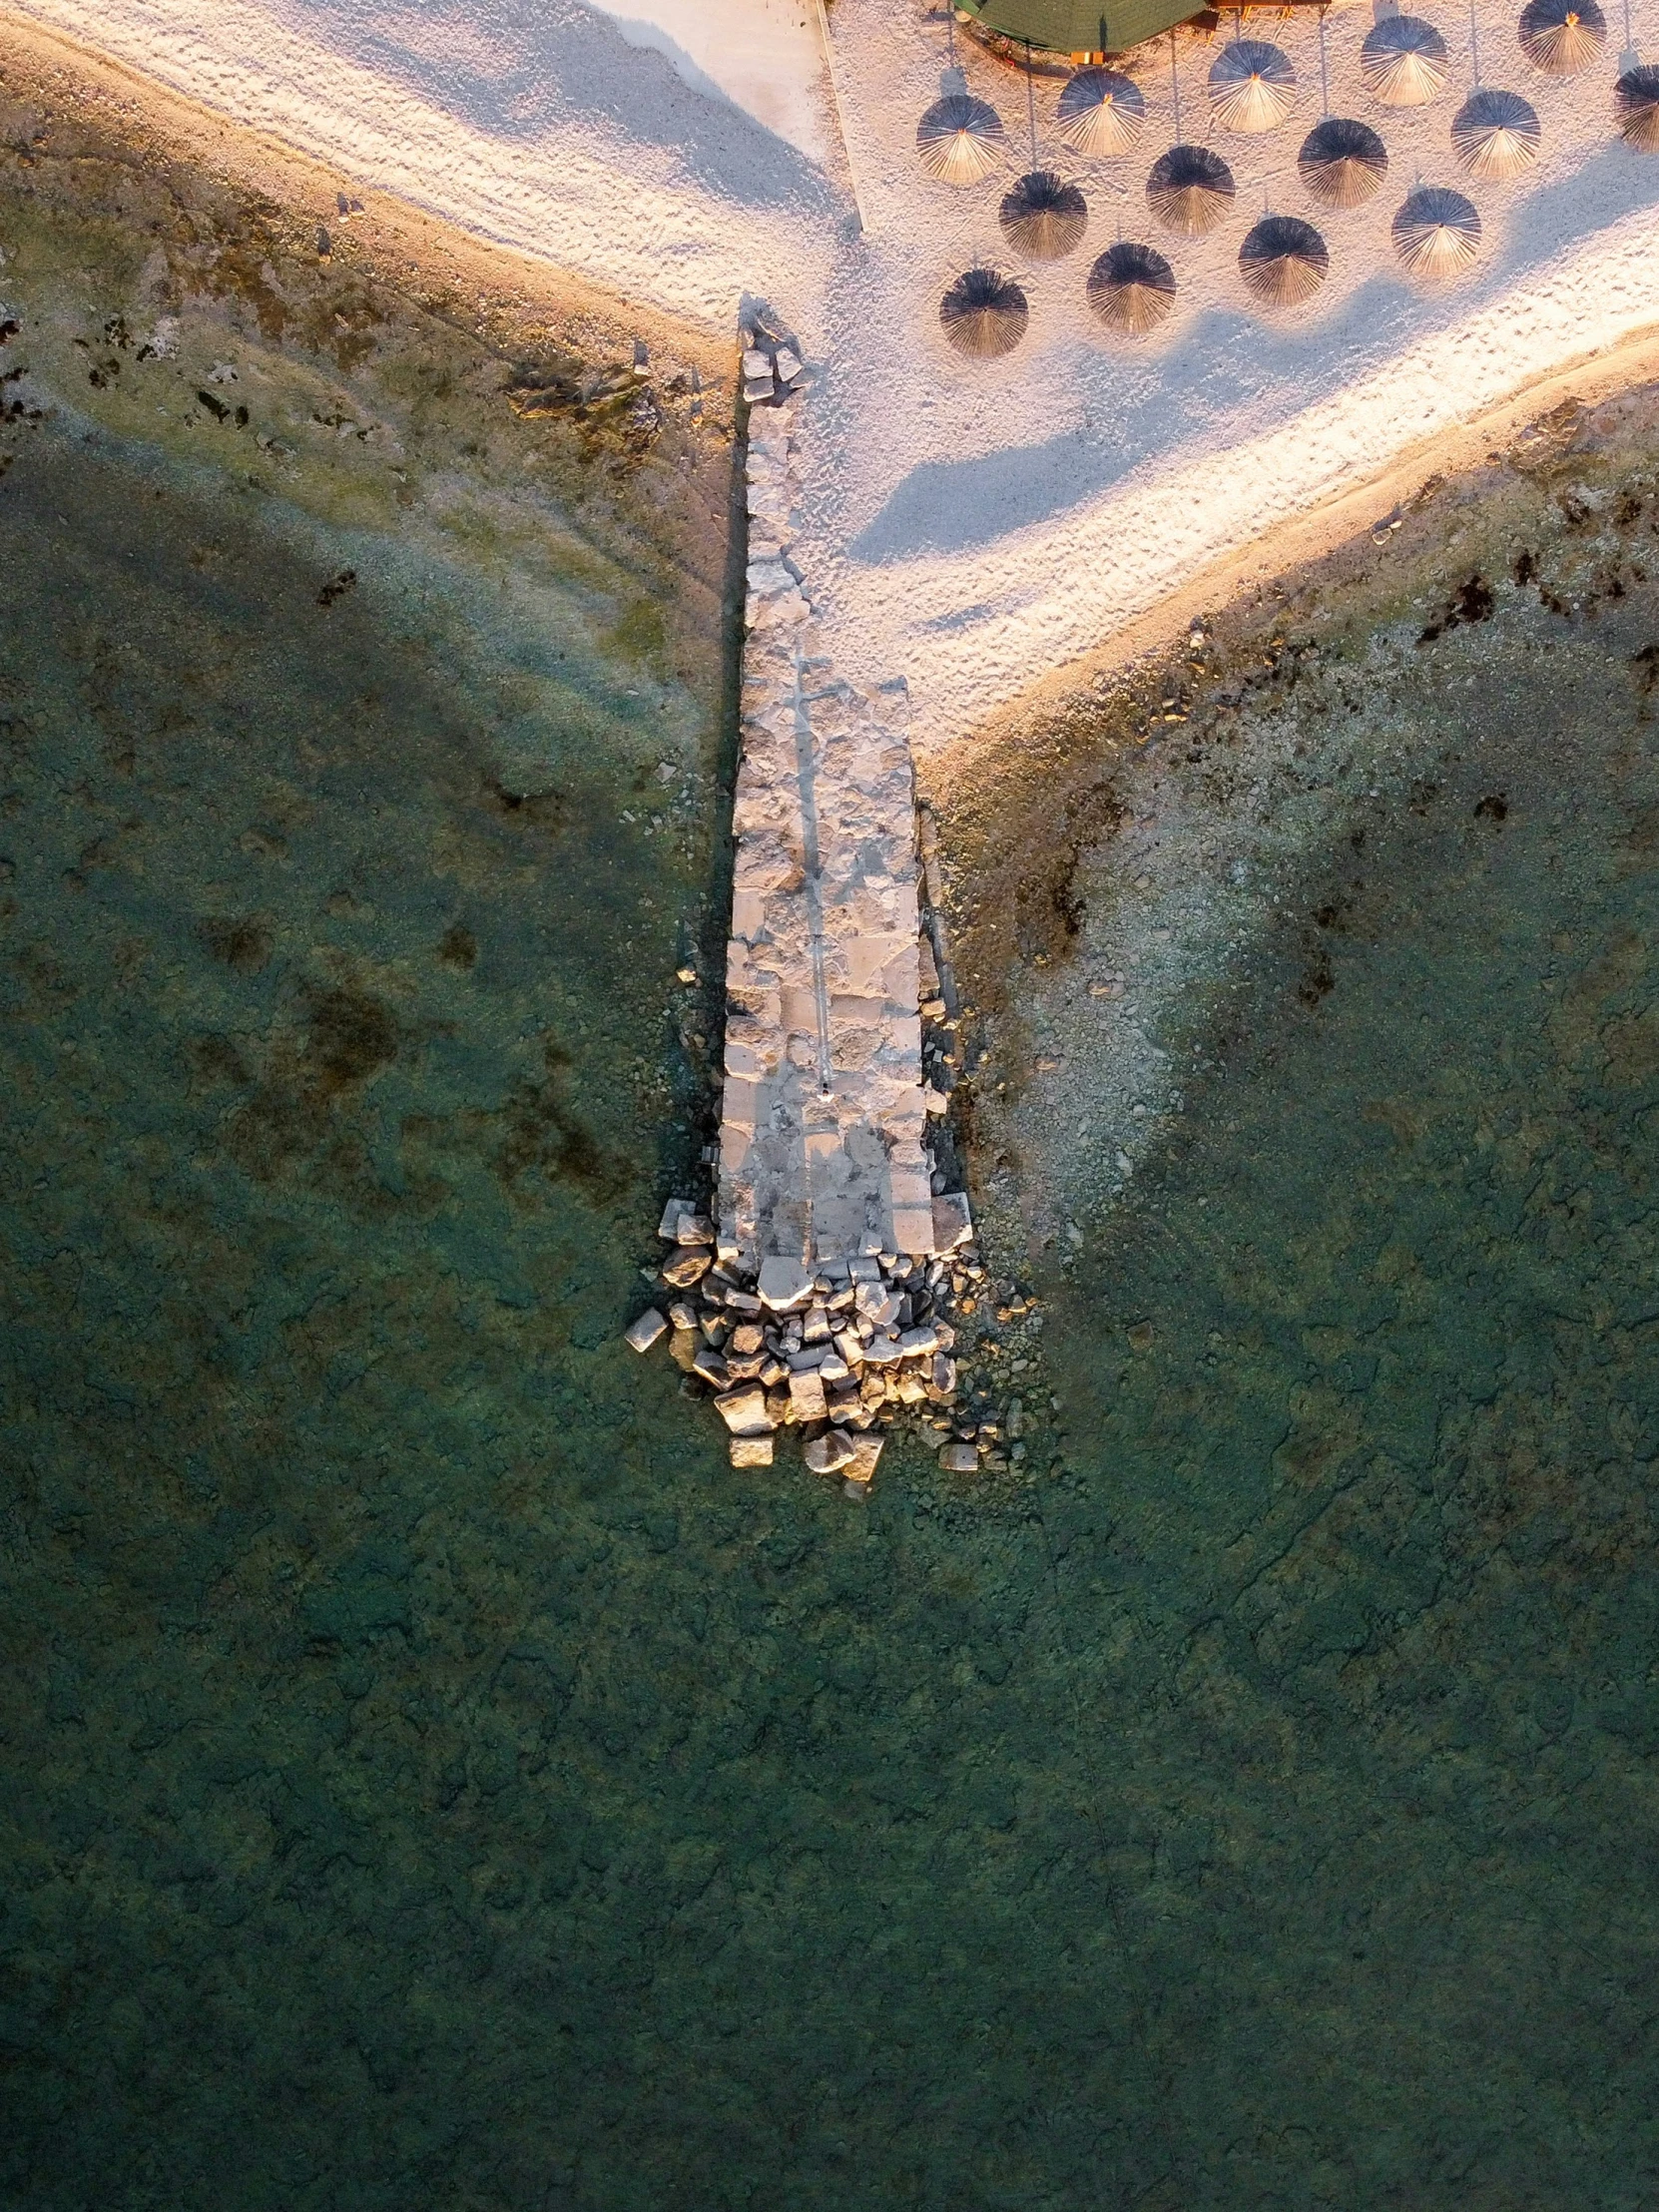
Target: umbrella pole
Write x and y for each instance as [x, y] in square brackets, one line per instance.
[1475, 38]
[1031, 103]
[1174, 86]
[1325, 77]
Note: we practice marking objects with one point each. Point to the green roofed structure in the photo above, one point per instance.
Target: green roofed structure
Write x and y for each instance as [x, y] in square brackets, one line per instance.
[1081, 30]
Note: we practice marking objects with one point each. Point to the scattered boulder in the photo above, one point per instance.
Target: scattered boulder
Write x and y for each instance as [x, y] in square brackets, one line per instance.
[806, 1395]
[745, 1412]
[784, 1284]
[952, 1221]
[643, 1334]
[752, 1452]
[867, 1456]
[829, 1453]
[687, 1266]
[959, 1459]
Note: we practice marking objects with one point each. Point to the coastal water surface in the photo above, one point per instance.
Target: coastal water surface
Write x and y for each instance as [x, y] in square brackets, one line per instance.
[435, 1778]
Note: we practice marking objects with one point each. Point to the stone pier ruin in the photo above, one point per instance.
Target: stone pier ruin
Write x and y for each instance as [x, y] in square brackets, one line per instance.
[822, 1303]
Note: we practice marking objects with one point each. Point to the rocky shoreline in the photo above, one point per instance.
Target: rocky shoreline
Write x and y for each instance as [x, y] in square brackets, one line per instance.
[843, 1351]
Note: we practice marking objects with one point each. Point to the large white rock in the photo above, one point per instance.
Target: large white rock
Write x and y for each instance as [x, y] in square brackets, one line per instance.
[644, 1332]
[784, 1284]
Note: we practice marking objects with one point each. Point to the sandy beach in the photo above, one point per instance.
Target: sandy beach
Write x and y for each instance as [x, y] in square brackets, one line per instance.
[970, 528]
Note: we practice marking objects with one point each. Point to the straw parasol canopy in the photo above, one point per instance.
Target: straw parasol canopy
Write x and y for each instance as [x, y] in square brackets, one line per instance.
[1636, 107]
[1250, 86]
[960, 139]
[1436, 234]
[984, 314]
[1101, 111]
[1043, 216]
[1495, 135]
[1404, 61]
[1189, 190]
[1282, 262]
[1132, 288]
[1341, 162]
[1562, 37]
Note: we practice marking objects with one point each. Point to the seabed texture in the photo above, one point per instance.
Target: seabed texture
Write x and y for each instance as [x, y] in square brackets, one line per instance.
[432, 1776]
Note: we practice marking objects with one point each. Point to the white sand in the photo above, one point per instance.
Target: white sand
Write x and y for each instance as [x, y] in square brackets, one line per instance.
[982, 524]
[967, 527]
[535, 123]
[767, 62]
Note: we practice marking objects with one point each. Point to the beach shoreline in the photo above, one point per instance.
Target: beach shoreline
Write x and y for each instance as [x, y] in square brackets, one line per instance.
[513, 299]
[1278, 560]
[1127, 856]
[1018, 616]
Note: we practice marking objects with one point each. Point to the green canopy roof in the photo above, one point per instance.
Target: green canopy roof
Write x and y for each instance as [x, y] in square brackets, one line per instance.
[1079, 26]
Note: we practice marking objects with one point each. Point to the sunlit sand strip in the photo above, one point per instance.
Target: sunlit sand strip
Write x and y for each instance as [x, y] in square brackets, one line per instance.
[634, 225]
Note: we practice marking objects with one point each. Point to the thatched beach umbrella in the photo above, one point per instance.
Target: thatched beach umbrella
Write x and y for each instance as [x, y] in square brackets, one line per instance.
[1250, 86]
[1132, 288]
[1404, 61]
[1282, 262]
[1341, 162]
[1495, 133]
[1636, 107]
[1043, 216]
[960, 139]
[984, 314]
[1189, 190]
[1436, 234]
[1562, 37]
[1101, 113]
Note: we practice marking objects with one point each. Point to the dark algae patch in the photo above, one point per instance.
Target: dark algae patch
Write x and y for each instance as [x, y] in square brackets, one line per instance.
[431, 1776]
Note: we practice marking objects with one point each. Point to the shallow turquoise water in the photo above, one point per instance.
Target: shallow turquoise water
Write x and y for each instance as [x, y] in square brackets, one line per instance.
[433, 1778]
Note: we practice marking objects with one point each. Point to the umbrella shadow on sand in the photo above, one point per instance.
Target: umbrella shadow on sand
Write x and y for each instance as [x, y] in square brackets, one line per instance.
[1233, 376]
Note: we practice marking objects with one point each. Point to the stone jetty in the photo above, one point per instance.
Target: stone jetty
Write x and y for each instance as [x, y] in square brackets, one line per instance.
[817, 1293]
